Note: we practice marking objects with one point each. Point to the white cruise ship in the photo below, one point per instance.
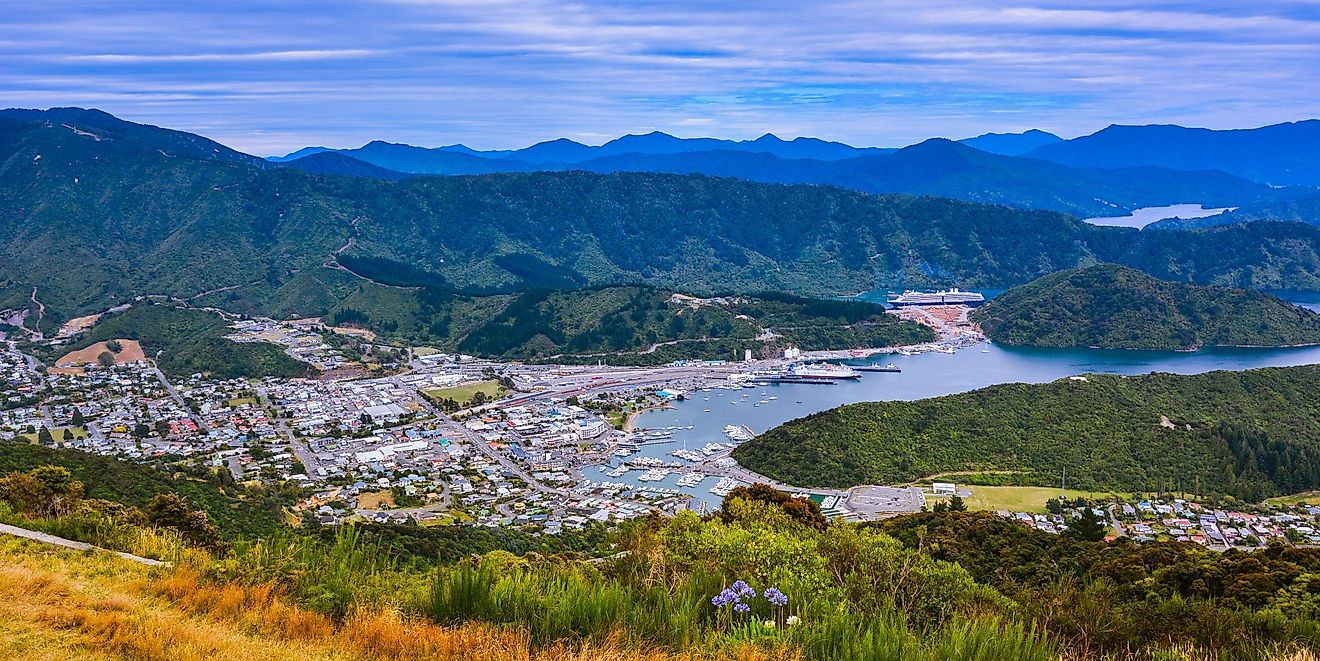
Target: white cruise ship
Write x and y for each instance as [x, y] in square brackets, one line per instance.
[822, 371]
[948, 297]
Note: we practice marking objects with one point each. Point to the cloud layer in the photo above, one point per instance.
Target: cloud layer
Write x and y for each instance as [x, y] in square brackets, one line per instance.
[268, 77]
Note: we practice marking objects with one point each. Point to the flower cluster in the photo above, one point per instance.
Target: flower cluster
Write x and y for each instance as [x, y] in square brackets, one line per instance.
[736, 594]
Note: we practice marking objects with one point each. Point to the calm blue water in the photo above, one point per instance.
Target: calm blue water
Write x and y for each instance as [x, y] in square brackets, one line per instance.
[930, 375]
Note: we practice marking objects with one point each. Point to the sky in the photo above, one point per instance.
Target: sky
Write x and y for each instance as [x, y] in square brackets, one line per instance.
[270, 77]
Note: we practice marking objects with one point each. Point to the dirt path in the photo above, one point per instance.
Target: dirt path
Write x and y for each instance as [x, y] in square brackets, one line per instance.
[77, 546]
[41, 313]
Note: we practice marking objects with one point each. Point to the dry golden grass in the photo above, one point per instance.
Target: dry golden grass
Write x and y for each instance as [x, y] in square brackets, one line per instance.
[58, 604]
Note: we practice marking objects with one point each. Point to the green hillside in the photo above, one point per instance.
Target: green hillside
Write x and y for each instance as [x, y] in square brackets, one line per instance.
[236, 510]
[621, 324]
[185, 341]
[1253, 434]
[1115, 307]
[93, 217]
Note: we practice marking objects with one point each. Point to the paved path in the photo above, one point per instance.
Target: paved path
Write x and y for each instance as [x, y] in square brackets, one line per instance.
[78, 546]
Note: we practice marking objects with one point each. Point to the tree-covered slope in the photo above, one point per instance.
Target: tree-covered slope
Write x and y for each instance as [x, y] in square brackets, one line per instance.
[185, 341]
[1252, 434]
[236, 510]
[622, 324]
[1115, 307]
[91, 223]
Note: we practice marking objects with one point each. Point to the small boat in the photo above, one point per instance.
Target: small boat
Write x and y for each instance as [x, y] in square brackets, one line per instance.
[705, 410]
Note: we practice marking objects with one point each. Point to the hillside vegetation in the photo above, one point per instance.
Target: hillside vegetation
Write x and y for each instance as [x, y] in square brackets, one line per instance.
[90, 223]
[1115, 307]
[236, 511]
[622, 324]
[185, 341]
[1252, 434]
[765, 578]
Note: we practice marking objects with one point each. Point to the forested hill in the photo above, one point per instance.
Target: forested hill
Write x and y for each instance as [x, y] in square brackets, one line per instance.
[622, 325]
[1115, 307]
[92, 216]
[1252, 434]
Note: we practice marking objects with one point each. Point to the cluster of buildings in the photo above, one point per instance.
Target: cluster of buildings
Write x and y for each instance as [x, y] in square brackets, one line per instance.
[1180, 519]
[127, 410]
[300, 340]
[343, 407]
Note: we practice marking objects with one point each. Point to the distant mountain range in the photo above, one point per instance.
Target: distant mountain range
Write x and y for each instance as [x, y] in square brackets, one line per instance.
[95, 211]
[958, 170]
[1280, 155]
[1110, 172]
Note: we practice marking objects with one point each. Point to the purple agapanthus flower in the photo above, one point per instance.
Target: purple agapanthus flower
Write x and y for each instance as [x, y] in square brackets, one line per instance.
[774, 596]
[742, 608]
[724, 598]
[743, 589]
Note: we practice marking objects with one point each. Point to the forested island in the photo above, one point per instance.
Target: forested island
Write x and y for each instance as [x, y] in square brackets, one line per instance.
[1115, 307]
[1251, 434]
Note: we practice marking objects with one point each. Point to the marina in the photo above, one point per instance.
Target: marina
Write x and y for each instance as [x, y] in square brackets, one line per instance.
[919, 375]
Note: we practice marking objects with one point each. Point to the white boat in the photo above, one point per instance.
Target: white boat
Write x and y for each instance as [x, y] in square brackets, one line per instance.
[947, 297]
[822, 371]
[737, 434]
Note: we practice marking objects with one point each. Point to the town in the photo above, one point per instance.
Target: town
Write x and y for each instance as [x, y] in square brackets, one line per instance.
[441, 438]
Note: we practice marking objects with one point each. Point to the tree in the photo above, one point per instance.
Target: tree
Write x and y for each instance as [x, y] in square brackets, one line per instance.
[163, 428]
[44, 436]
[803, 510]
[1087, 527]
[106, 359]
[78, 418]
[114, 345]
[43, 491]
[956, 504]
[141, 430]
[170, 510]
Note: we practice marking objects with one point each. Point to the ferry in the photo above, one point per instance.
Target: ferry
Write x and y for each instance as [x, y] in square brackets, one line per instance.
[821, 372]
[948, 297]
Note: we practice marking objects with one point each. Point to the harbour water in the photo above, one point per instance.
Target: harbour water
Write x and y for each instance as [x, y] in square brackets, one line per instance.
[923, 375]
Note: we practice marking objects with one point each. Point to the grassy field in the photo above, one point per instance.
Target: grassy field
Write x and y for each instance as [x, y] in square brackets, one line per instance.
[376, 500]
[59, 433]
[1019, 499]
[242, 400]
[463, 394]
[1307, 498]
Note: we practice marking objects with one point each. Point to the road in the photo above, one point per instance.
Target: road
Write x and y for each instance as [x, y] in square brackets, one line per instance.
[479, 442]
[298, 448]
[178, 399]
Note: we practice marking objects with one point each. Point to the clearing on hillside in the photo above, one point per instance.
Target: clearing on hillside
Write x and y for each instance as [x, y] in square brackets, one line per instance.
[129, 351]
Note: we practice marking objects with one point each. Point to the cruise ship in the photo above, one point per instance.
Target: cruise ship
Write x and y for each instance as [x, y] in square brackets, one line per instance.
[948, 297]
[822, 371]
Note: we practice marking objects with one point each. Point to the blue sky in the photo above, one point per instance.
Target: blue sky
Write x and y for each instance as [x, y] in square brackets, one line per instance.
[268, 77]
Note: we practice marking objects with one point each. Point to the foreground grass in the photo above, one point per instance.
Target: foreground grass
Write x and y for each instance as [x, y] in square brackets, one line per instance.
[57, 604]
